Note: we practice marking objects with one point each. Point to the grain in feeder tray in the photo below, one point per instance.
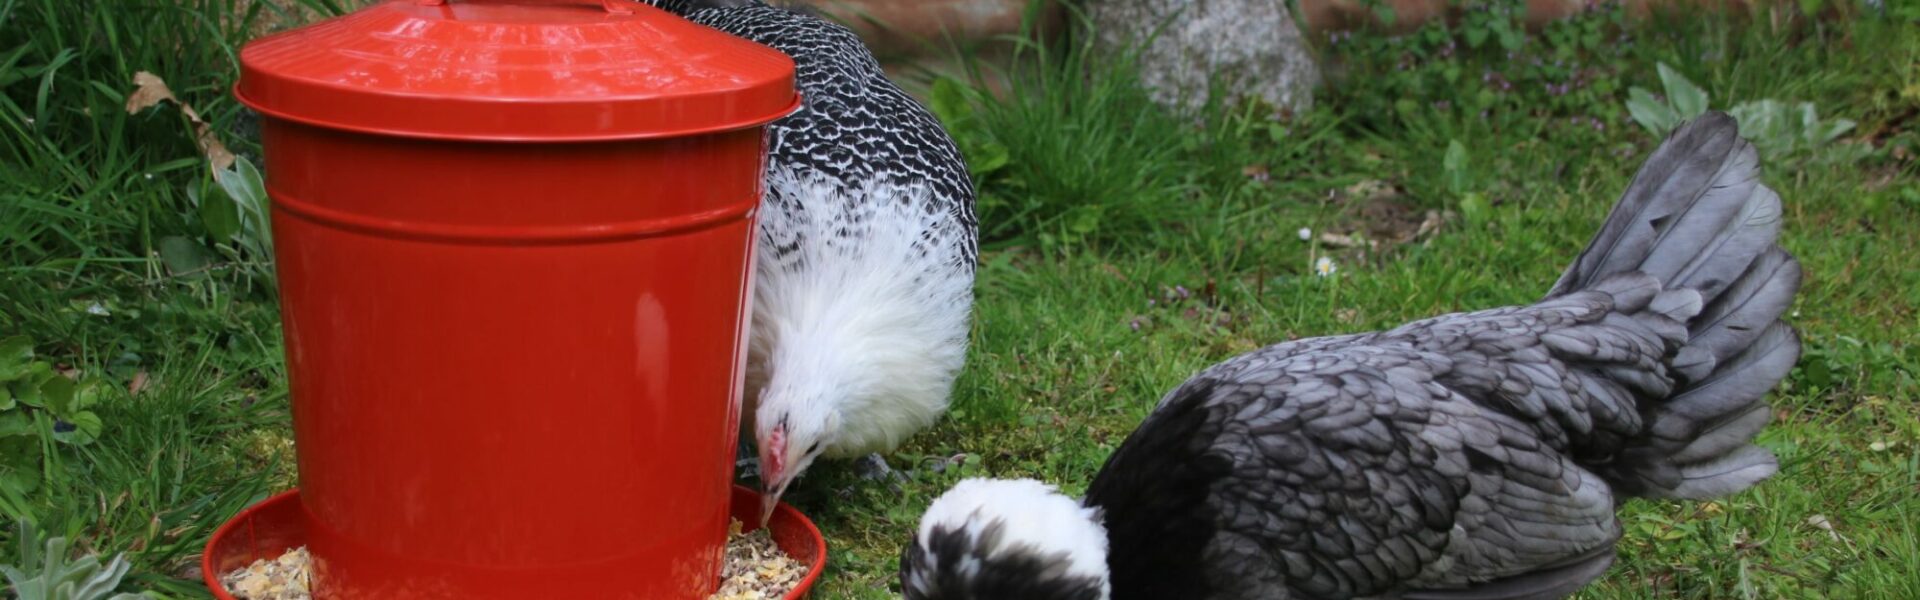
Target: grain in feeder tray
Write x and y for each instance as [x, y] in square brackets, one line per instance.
[756, 568]
[284, 578]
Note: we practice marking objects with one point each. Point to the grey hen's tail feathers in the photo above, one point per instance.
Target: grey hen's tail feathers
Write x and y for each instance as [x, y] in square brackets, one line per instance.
[1696, 217]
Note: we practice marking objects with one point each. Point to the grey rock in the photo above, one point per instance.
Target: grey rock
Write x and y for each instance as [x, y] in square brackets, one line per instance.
[1254, 46]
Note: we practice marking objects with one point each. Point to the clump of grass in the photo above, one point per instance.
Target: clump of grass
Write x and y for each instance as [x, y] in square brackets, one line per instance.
[1072, 151]
[87, 194]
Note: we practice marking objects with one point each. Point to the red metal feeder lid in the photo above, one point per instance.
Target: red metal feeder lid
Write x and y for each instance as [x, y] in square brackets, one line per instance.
[516, 70]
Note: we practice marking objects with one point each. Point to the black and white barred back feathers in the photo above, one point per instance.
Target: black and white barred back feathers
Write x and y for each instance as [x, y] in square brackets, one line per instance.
[856, 127]
[863, 284]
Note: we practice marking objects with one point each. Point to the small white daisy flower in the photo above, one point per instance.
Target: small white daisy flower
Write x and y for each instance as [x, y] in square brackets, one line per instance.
[97, 310]
[1306, 234]
[1324, 267]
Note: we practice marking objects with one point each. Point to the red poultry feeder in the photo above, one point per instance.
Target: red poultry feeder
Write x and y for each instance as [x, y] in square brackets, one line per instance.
[514, 242]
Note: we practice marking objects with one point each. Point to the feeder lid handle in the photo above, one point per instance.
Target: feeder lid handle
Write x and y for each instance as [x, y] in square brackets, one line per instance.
[615, 7]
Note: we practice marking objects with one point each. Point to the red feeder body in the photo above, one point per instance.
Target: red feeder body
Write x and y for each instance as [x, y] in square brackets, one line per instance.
[514, 242]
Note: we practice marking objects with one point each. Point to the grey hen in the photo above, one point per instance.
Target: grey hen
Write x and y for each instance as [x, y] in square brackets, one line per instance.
[1477, 455]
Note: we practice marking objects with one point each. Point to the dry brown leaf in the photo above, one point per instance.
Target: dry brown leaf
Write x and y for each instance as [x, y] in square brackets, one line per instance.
[1432, 223]
[216, 152]
[1341, 240]
[139, 384]
[1370, 189]
[150, 90]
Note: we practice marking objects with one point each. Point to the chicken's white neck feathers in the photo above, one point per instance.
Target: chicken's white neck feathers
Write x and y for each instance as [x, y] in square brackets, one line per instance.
[861, 305]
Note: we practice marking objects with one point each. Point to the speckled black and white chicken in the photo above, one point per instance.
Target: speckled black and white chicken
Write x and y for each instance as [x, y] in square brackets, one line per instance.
[1475, 455]
[864, 284]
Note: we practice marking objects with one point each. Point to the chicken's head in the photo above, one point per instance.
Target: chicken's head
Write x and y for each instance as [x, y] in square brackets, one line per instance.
[789, 434]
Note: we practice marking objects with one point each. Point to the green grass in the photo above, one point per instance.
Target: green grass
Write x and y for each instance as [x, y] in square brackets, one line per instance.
[1082, 321]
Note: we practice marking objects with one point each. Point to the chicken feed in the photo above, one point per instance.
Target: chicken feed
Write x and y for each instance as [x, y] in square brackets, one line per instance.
[283, 578]
[755, 569]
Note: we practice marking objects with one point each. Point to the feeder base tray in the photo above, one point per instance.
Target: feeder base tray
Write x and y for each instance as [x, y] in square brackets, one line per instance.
[274, 526]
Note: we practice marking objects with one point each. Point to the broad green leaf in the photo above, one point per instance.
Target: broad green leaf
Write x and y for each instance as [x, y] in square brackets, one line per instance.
[15, 354]
[182, 256]
[86, 395]
[80, 428]
[949, 101]
[1455, 165]
[1688, 100]
[27, 389]
[248, 192]
[1476, 36]
[219, 216]
[19, 465]
[1835, 129]
[58, 396]
[1657, 117]
[1817, 373]
[1510, 38]
[992, 157]
[14, 422]
[1475, 208]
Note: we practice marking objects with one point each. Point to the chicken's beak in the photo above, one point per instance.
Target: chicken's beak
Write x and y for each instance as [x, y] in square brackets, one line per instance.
[773, 473]
[770, 499]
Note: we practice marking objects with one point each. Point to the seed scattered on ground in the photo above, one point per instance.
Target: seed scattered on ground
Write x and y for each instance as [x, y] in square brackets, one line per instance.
[756, 569]
[284, 578]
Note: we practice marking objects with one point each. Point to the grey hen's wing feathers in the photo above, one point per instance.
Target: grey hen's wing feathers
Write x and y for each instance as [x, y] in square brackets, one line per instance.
[1438, 456]
[856, 126]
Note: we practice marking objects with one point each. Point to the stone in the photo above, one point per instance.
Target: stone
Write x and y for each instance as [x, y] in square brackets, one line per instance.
[1253, 46]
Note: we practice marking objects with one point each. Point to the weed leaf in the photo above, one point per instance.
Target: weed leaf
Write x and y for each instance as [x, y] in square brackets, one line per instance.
[1688, 100]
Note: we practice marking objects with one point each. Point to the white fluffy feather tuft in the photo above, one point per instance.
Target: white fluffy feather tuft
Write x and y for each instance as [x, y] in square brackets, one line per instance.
[1035, 516]
[861, 306]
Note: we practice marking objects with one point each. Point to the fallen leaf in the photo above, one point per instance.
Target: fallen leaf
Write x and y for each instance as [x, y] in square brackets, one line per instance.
[1341, 240]
[1820, 522]
[139, 384]
[150, 90]
[1369, 189]
[217, 153]
[1434, 219]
